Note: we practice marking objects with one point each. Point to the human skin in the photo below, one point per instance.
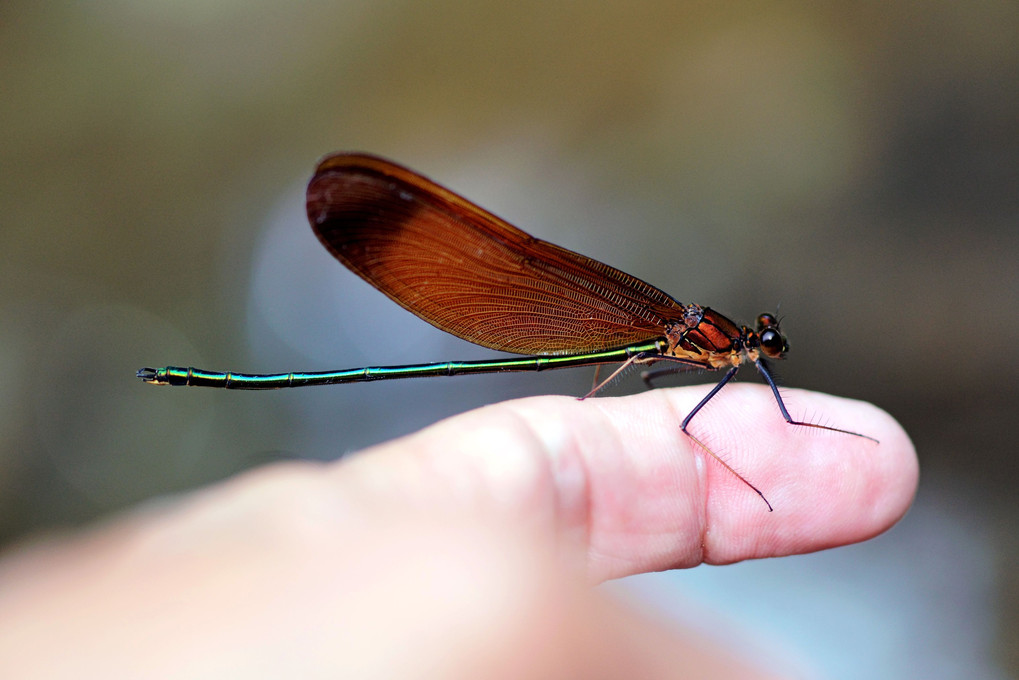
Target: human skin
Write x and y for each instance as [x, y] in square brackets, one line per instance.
[467, 549]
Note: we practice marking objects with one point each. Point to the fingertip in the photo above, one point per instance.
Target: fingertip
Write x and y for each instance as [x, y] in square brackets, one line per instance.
[619, 477]
[829, 488]
[681, 506]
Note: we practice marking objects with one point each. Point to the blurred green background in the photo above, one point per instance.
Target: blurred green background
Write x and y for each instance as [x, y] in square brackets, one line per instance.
[855, 163]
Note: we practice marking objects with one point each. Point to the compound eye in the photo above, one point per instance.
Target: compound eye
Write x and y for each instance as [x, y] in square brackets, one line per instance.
[773, 343]
[765, 320]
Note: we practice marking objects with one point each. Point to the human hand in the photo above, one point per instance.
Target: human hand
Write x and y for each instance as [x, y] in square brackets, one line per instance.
[454, 552]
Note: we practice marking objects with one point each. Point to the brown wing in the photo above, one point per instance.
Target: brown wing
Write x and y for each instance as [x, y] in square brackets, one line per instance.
[466, 271]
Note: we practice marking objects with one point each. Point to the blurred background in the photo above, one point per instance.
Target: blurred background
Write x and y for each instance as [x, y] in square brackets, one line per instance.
[855, 164]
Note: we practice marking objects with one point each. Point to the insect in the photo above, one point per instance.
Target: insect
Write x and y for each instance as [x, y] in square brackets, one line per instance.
[472, 274]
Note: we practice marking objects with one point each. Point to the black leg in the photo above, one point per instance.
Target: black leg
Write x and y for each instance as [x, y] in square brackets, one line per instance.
[686, 421]
[650, 376]
[765, 370]
[721, 383]
[685, 365]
